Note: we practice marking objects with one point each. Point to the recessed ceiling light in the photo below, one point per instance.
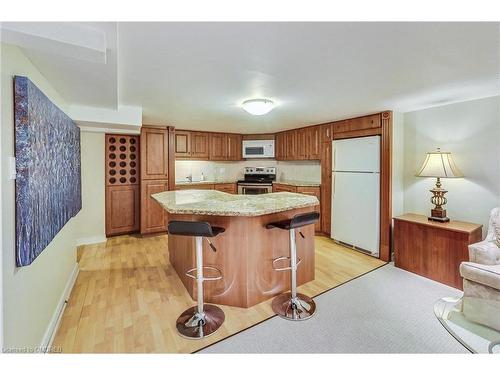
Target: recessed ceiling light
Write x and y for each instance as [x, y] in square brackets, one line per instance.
[258, 107]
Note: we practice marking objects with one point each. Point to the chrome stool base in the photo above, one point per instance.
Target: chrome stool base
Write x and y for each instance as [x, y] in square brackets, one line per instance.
[300, 308]
[193, 325]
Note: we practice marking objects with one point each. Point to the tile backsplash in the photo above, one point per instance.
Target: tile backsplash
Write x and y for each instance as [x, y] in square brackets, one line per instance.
[309, 170]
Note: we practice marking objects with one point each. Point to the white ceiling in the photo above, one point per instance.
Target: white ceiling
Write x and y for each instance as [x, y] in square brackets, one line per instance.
[195, 75]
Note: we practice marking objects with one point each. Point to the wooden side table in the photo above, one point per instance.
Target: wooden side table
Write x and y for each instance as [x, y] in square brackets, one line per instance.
[433, 249]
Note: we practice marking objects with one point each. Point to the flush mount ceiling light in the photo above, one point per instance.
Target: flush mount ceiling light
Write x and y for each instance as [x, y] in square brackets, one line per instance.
[258, 107]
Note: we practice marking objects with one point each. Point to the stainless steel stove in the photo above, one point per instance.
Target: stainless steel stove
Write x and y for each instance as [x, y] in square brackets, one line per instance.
[257, 180]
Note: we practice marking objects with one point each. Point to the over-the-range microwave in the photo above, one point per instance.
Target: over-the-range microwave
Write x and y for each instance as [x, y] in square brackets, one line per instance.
[258, 148]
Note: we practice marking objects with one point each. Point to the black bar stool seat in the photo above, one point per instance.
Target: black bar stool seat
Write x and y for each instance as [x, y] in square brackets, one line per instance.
[193, 228]
[296, 222]
[201, 320]
[292, 305]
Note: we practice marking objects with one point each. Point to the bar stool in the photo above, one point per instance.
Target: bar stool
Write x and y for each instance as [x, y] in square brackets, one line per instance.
[292, 305]
[201, 320]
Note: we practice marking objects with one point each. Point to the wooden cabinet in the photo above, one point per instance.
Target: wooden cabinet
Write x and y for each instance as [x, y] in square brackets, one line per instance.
[234, 147]
[314, 191]
[326, 186]
[230, 188]
[224, 146]
[122, 175]
[291, 145]
[153, 216]
[218, 146]
[182, 144]
[122, 209]
[154, 167]
[298, 144]
[200, 149]
[357, 126]
[154, 153]
[277, 188]
[432, 249]
[309, 190]
[194, 186]
[313, 143]
[279, 146]
[326, 133]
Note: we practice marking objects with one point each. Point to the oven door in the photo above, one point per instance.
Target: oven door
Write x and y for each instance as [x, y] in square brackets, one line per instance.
[254, 189]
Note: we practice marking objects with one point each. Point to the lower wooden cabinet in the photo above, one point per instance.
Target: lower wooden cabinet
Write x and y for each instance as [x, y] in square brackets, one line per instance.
[432, 249]
[277, 188]
[194, 186]
[153, 216]
[122, 209]
[231, 188]
[309, 190]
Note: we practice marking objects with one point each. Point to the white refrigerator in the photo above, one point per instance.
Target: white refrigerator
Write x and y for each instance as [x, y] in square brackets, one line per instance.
[356, 193]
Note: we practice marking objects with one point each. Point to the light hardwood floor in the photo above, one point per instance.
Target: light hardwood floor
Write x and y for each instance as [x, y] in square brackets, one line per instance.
[127, 297]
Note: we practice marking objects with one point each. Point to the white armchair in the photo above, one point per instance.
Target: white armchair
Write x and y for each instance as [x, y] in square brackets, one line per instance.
[481, 300]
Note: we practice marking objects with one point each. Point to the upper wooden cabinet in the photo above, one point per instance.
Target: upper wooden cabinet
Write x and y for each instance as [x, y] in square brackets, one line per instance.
[225, 146]
[200, 145]
[182, 144]
[279, 146]
[154, 153]
[234, 146]
[313, 143]
[358, 123]
[325, 133]
[207, 146]
[298, 144]
[218, 146]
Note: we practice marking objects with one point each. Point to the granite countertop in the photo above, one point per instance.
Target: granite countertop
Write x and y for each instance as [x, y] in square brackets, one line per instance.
[205, 182]
[297, 183]
[217, 203]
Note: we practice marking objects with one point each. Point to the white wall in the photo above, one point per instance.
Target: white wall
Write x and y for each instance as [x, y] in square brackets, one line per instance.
[471, 131]
[91, 219]
[30, 294]
[309, 170]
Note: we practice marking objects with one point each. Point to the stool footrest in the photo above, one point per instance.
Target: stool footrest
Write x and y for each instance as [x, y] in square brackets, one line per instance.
[192, 273]
[284, 268]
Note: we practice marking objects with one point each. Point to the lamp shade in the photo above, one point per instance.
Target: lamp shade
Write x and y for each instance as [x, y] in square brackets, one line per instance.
[439, 164]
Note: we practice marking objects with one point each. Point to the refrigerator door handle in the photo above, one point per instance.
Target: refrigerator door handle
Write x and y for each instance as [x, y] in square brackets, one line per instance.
[333, 184]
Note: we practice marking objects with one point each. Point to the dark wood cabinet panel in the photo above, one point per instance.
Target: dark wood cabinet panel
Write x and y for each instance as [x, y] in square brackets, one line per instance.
[357, 124]
[234, 147]
[194, 186]
[154, 153]
[199, 146]
[277, 188]
[122, 209]
[314, 191]
[291, 145]
[313, 143]
[218, 146]
[182, 144]
[122, 183]
[230, 188]
[326, 133]
[279, 146]
[431, 249]
[153, 216]
[326, 186]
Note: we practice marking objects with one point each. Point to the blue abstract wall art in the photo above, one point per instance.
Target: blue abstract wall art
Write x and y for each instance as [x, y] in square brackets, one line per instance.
[48, 180]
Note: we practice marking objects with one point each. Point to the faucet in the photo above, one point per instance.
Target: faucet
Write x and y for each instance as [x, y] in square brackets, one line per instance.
[190, 178]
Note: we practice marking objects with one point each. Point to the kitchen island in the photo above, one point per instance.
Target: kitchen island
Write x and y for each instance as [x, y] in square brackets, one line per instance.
[246, 249]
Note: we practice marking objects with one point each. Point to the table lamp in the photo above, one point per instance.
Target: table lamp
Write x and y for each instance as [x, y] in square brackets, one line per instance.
[439, 165]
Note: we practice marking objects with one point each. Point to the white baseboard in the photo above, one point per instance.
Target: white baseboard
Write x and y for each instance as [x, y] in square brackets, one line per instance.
[48, 337]
[90, 240]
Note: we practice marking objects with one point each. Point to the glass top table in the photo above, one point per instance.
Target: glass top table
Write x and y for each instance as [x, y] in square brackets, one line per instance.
[475, 337]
